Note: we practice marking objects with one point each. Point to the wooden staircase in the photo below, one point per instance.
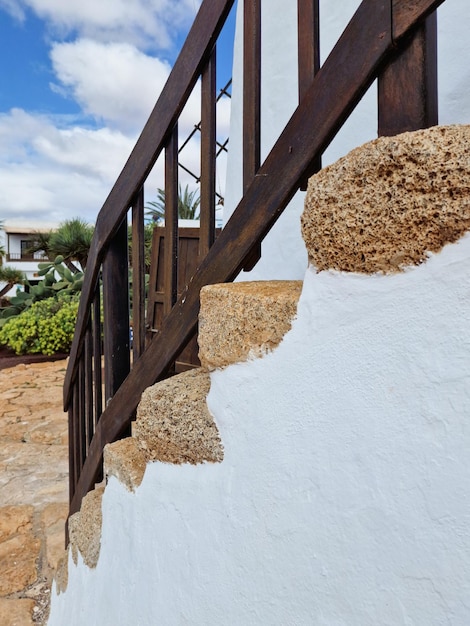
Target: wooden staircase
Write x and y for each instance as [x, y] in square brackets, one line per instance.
[392, 40]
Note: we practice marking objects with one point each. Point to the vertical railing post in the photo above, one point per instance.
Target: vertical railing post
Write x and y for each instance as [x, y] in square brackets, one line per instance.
[171, 223]
[138, 275]
[407, 87]
[208, 157]
[308, 46]
[251, 104]
[88, 382]
[116, 312]
[97, 353]
[251, 90]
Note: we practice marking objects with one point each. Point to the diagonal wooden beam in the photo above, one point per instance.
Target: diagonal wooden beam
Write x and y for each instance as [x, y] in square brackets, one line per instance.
[406, 13]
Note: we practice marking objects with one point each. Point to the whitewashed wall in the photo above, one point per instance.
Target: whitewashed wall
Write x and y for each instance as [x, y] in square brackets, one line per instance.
[284, 255]
[343, 495]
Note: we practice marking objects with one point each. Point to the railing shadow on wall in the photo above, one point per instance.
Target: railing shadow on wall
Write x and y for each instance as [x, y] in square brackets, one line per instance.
[393, 41]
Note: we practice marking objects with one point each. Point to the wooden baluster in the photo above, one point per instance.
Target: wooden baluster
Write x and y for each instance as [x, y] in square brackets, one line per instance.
[97, 352]
[251, 90]
[251, 105]
[308, 26]
[208, 156]
[171, 223]
[88, 383]
[82, 442]
[73, 444]
[116, 312]
[407, 87]
[138, 275]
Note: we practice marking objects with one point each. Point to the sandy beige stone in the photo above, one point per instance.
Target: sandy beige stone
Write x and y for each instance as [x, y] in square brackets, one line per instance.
[18, 562]
[240, 320]
[33, 488]
[387, 204]
[19, 484]
[174, 424]
[15, 520]
[85, 527]
[61, 577]
[126, 461]
[53, 518]
[16, 612]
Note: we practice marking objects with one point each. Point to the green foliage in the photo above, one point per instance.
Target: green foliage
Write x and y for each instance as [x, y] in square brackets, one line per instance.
[71, 240]
[188, 205]
[45, 328]
[69, 282]
[148, 234]
[11, 276]
[58, 279]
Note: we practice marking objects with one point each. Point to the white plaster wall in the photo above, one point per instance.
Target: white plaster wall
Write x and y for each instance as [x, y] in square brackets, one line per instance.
[343, 495]
[284, 254]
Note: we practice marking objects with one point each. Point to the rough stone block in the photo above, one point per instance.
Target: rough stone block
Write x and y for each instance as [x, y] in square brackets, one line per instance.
[53, 519]
[390, 202]
[174, 424]
[85, 527]
[241, 320]
[126, 461]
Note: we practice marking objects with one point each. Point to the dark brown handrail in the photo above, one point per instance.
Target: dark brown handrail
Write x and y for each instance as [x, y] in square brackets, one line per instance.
[194, 55]
[370, 41]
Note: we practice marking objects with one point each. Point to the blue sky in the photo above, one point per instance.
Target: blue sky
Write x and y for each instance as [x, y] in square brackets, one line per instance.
[69, 115]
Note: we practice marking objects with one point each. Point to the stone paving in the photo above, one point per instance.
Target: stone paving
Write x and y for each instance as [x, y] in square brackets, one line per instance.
[33, 488]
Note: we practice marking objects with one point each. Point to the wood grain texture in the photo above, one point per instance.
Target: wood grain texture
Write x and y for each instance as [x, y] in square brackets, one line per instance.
[407, 87]
[408, 12]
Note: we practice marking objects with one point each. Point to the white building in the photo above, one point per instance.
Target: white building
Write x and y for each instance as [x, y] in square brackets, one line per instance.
[16, 240]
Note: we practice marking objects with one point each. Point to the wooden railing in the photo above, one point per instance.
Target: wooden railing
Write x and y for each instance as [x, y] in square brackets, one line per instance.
[392, 40]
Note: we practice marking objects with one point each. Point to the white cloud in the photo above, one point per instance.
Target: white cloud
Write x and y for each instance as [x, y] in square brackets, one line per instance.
[112, 82]
[49, 173]
[148, 23]
[57, 167]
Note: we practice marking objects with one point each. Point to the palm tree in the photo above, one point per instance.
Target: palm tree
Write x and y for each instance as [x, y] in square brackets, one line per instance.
[188, 205]
[11, 276]
[72, 241]
[40, 243]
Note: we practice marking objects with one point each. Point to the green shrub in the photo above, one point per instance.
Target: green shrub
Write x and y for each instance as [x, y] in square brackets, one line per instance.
[45, 327]
[68, 283]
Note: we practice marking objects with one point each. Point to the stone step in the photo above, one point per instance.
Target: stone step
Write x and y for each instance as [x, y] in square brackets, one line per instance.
[173, 423]
[244, 320]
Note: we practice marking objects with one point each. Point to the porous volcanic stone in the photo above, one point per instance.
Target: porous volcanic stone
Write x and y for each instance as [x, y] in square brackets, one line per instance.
[240, 320]
[174, 424]
[126, 461]
[390, 202]
[85, 527]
